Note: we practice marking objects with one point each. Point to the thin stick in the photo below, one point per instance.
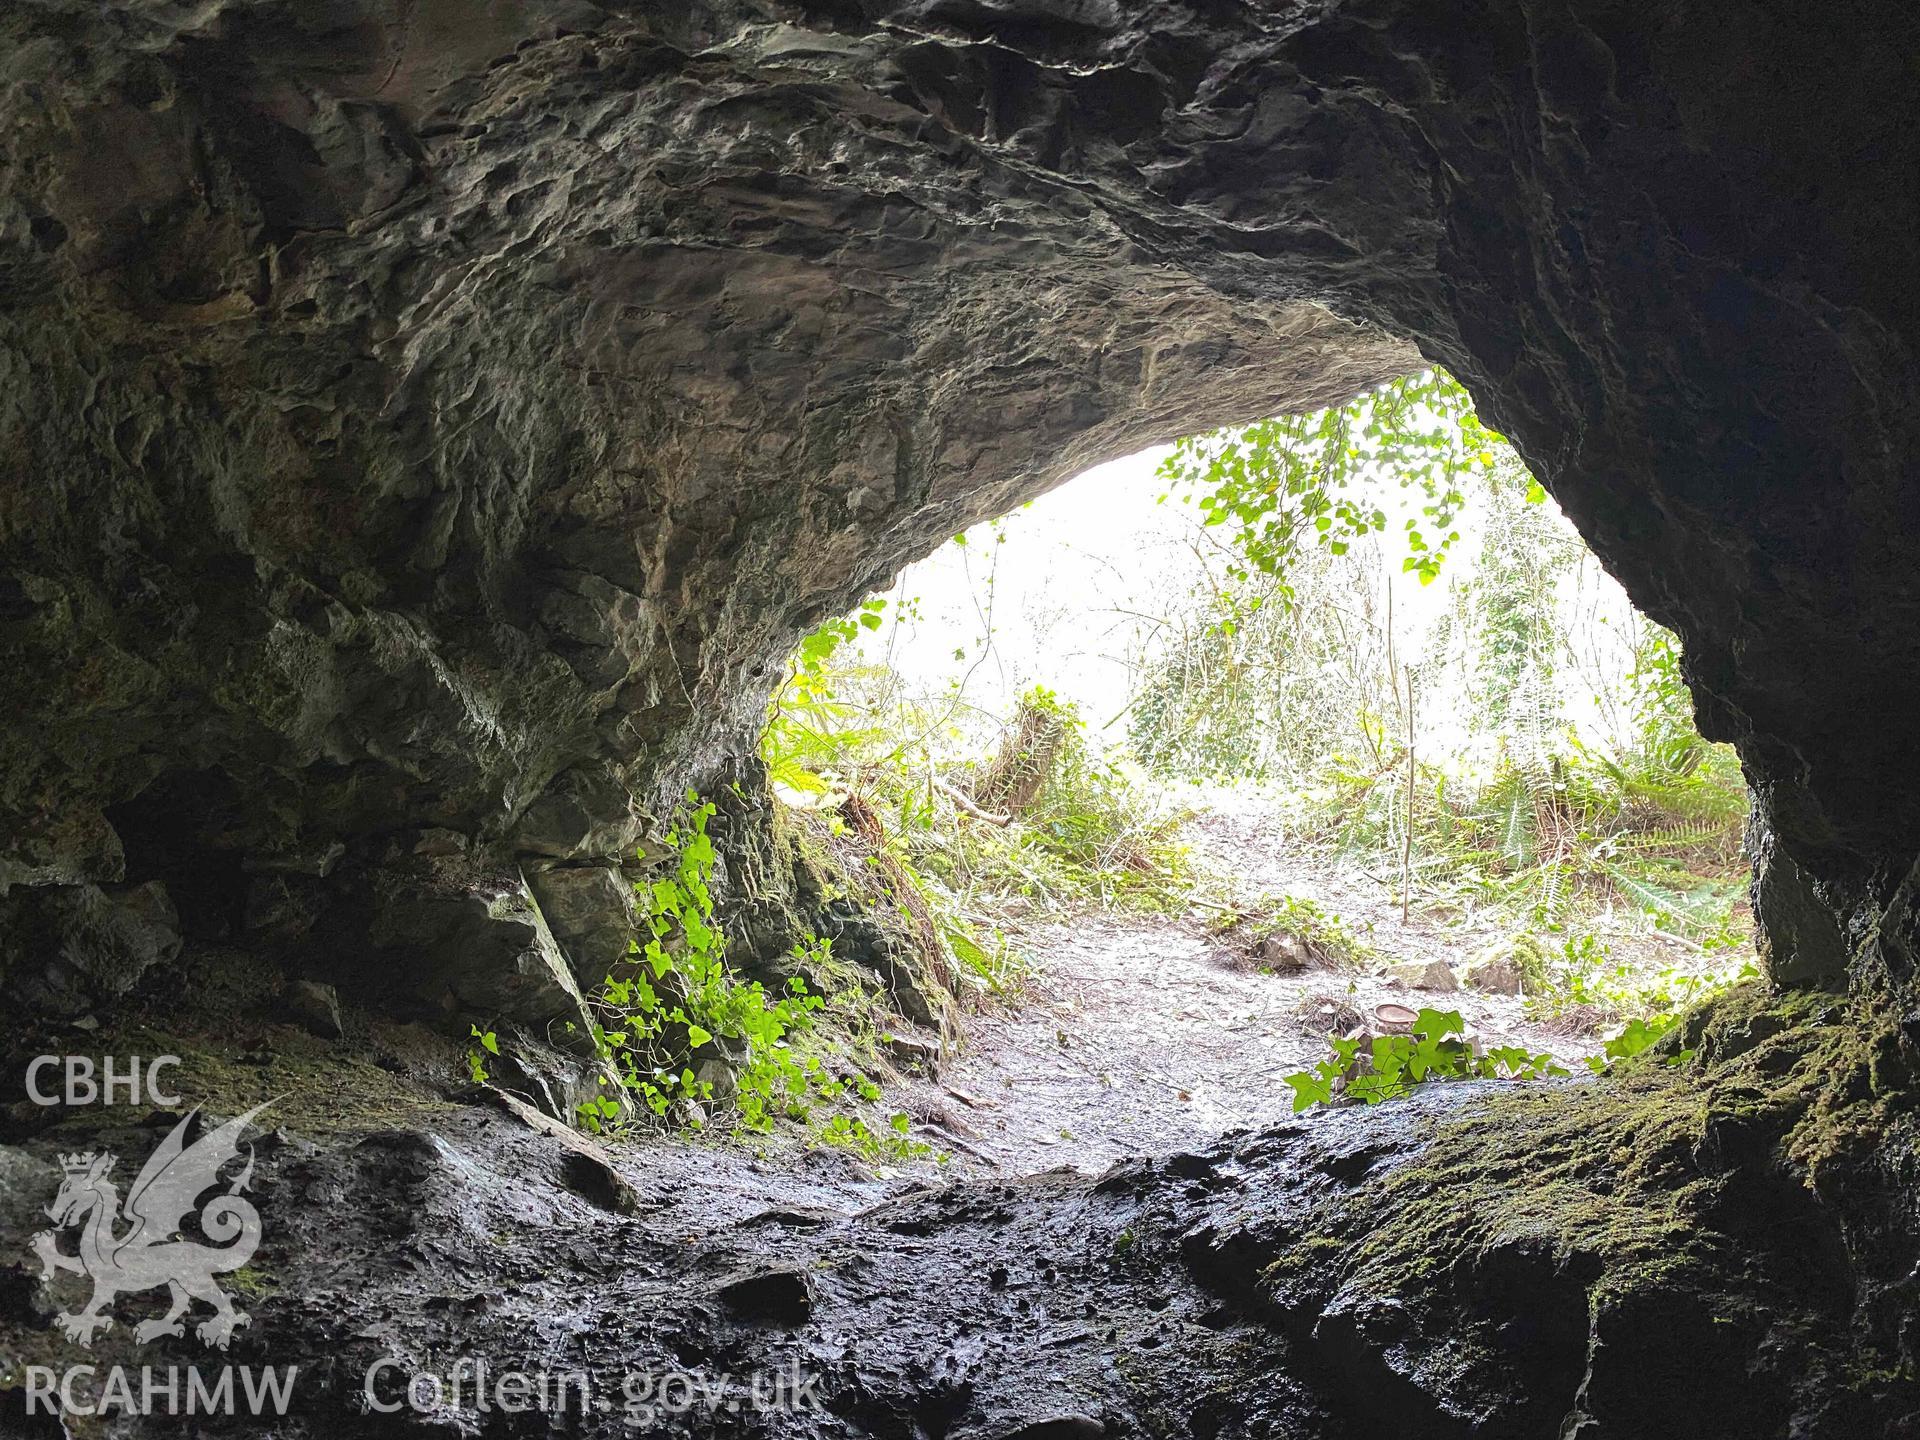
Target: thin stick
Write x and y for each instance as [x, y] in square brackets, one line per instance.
[965, 804]
[1406, 842]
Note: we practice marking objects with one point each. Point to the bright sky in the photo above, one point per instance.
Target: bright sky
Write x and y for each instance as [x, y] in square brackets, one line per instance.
[1072, 582]
[1063, 581]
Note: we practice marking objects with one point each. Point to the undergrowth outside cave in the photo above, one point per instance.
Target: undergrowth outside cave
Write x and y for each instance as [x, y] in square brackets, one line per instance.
[1555, 816]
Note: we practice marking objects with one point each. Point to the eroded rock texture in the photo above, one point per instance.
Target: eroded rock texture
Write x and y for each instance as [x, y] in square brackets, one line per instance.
[424, 425]
[1726, 1252]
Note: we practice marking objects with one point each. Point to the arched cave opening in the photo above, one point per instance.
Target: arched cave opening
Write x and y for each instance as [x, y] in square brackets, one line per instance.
[1325, 728]
[423, 432]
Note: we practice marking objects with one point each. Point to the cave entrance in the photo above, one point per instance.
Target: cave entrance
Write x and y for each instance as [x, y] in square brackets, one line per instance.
[1232, 753]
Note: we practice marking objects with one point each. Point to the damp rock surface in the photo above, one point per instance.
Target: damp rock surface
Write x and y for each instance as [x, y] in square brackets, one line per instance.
[1483, 1259]
[423, 420]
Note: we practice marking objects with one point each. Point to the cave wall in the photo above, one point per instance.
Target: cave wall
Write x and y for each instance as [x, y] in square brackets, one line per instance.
[423, 427]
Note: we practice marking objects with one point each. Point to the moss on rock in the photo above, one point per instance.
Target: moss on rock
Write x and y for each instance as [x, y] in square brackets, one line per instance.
[1559, 1249]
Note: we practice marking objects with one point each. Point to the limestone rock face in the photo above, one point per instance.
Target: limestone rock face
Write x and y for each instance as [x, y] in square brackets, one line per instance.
[315, 1007]
[1800, 936]
[68, 949]
[442, 417]
[591, 911]
[483, 951]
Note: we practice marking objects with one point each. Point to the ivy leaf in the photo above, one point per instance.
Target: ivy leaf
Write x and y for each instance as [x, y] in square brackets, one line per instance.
[1308, 1091]
[1435, 1024]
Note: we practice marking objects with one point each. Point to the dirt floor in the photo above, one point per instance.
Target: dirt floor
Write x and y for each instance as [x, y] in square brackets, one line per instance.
[1143, 1033]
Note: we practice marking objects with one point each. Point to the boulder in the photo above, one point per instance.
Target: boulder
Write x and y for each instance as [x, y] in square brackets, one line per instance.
[591, 910]
[65, 949]
[554, 1081]
[484, 952]
[1424, 975]
[1511, 965]
[1284, 950]
[315, 1007]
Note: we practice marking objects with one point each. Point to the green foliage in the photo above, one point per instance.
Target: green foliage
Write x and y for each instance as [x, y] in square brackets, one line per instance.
[1663, 706]
[1549, 842]
[1280, 486]
[679, 1000]
[1326, 938]
[986, 959]
[1643, 1006]
[851, 1132]
[1092, 832]
[1503, 615]
[1636, 1035]
[1293, 668]
[842, 726]
[1292, 671]
[1244, 686]
[808, 723]
[1276, 667]
[476, 1066]
[1391, 1065]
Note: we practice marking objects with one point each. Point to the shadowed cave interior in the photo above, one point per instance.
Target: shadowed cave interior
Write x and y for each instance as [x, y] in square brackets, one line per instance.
[426, 428]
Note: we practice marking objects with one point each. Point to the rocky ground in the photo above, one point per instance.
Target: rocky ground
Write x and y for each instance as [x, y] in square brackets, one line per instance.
[1479, 1260]
[1130, 1236]
[1047, 1306]
[1141, 1033]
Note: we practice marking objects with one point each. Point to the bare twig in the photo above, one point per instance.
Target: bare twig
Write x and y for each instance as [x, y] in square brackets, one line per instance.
[1406, 844]
[965, 804]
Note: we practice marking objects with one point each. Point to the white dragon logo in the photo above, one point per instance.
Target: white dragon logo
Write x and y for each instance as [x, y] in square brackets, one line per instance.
[152, 1253]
